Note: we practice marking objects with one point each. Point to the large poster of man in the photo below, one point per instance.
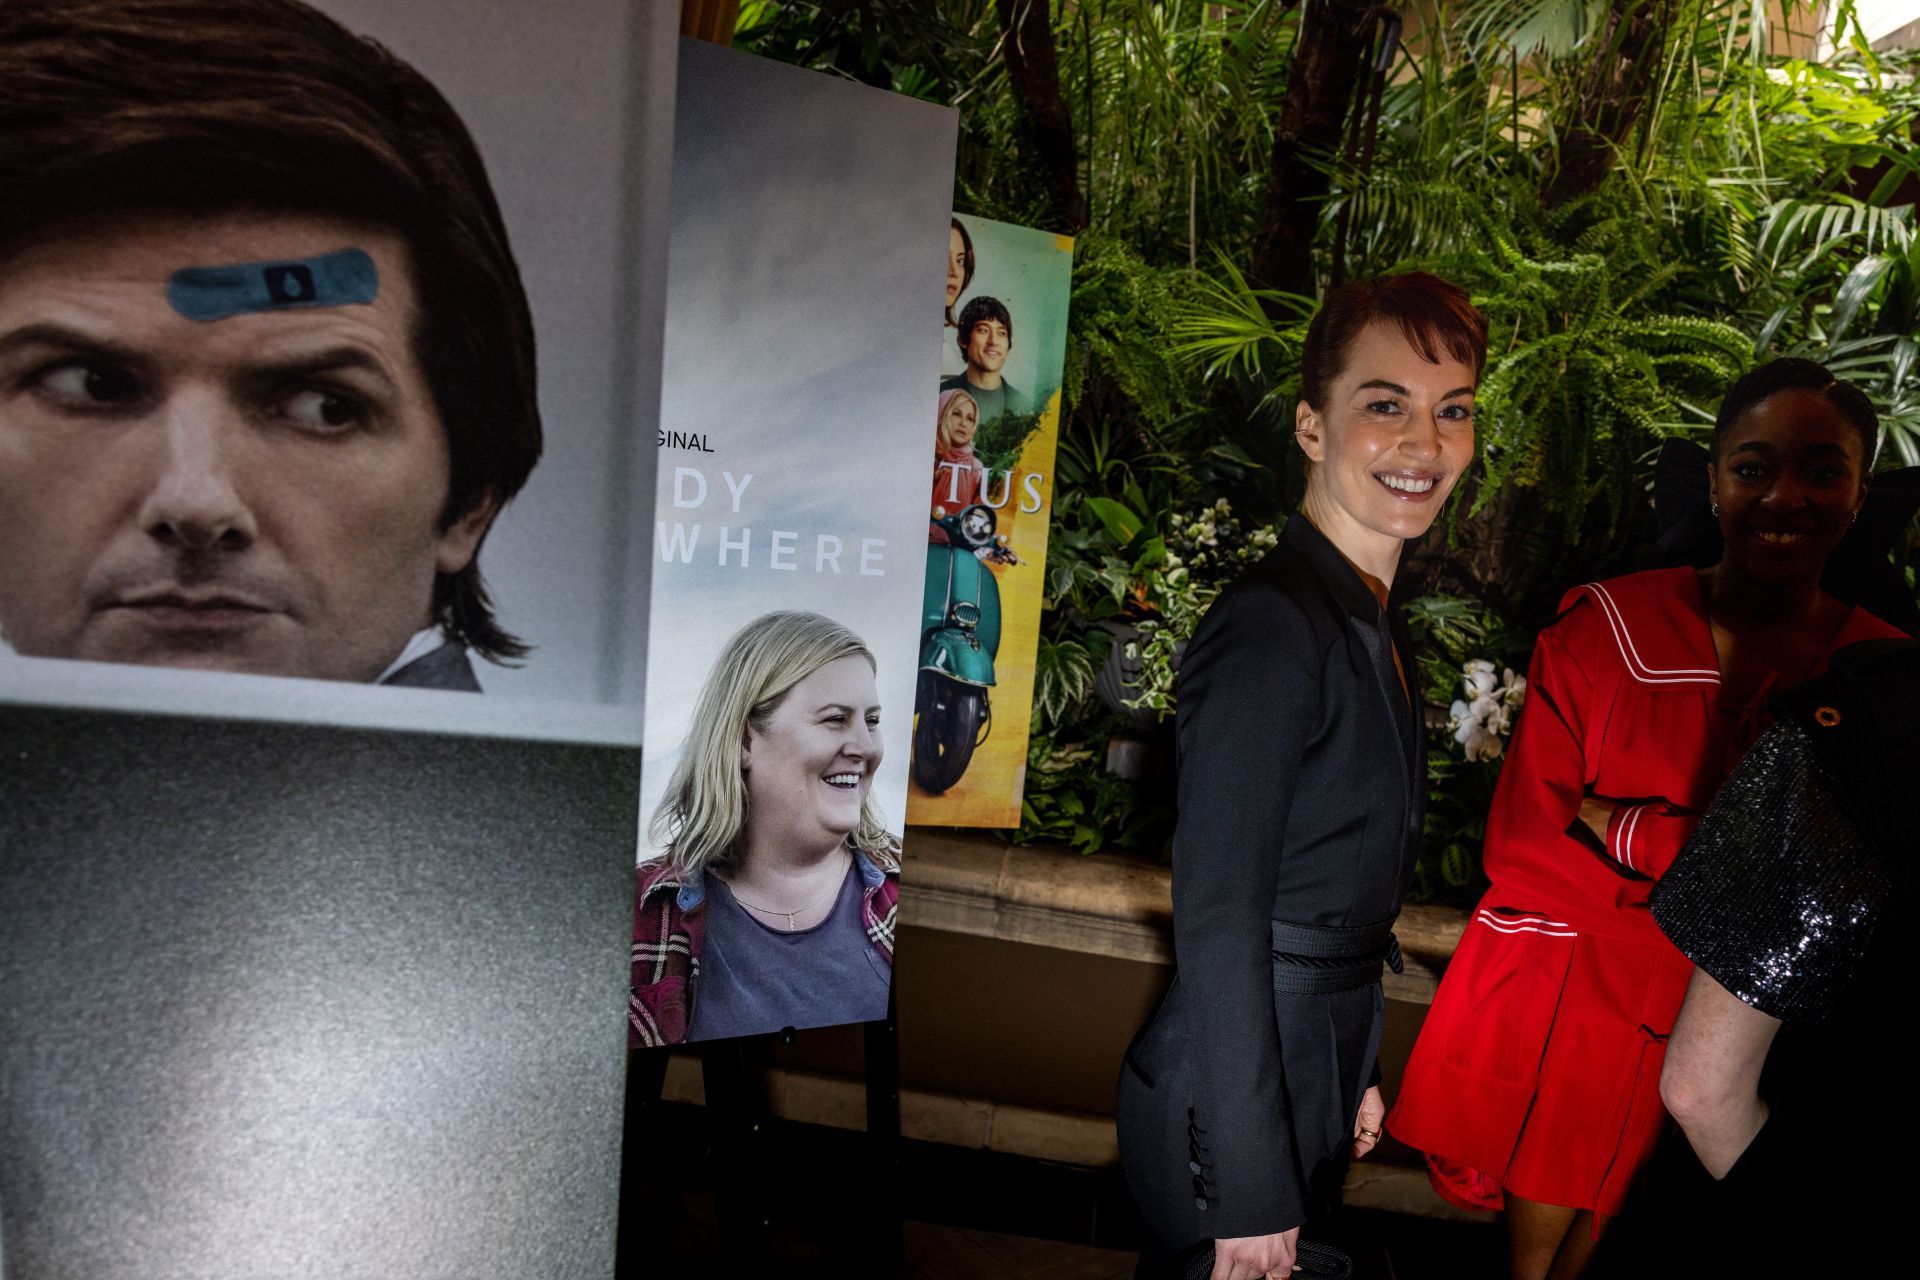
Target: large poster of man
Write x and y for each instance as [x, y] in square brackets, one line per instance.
[788, 548]
[1003, 342]
[324, 359]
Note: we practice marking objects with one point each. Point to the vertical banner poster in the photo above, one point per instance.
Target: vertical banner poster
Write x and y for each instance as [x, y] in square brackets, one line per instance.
[1003, 342]
[788, 547]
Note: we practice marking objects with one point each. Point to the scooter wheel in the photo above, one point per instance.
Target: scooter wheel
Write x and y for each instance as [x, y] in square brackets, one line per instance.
[945, 731]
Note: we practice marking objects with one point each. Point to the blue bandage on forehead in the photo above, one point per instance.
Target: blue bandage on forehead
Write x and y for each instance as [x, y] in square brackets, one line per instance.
[343, 278]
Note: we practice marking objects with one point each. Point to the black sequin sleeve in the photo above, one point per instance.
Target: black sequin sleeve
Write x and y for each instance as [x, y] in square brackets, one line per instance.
[1776, 894]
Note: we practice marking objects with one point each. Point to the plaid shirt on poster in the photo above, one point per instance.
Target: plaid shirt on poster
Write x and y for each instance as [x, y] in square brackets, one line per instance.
[670, 922]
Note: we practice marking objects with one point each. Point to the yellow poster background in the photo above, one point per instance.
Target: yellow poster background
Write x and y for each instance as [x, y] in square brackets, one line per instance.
[990, 792]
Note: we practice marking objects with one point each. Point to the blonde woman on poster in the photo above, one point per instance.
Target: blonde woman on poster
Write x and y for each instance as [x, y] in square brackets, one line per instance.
[957, 473]
[775, 900]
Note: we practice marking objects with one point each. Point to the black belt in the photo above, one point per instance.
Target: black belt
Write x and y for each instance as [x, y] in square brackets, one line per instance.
[1311, 960]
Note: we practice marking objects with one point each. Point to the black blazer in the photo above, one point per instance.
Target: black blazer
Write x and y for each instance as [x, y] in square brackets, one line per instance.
[1302, 787]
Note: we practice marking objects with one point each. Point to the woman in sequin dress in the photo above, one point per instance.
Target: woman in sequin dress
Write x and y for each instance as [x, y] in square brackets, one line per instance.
[1534, 1085]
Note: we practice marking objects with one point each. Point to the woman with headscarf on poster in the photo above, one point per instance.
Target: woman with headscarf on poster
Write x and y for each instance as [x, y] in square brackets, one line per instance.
[958, 477]
[1302, 788]
[959, 275]
[1534, 1085]
[774, 902]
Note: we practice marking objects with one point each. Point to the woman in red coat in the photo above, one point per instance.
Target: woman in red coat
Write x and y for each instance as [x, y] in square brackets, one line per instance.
[1535, 1081]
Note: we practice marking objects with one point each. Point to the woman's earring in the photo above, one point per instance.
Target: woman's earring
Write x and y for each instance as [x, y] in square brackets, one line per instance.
[1714, 507]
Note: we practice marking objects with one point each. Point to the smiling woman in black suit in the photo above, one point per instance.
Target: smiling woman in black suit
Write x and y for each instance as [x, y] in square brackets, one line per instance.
[1302, 788]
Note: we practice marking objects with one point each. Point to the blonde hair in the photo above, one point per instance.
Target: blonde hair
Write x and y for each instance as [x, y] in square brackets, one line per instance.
[941, 434]
[702, 820]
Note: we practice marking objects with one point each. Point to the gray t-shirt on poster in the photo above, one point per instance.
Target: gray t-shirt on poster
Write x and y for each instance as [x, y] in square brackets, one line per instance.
[1002, 399]
[754, 979]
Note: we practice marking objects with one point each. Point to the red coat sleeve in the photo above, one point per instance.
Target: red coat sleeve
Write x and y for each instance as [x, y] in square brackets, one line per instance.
[1535, 853]
[1647, 837]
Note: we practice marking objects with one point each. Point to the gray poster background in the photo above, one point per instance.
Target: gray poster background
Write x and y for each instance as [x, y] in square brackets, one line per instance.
[570, 104]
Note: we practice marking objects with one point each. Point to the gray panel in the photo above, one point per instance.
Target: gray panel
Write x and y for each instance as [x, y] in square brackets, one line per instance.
[286, 1001]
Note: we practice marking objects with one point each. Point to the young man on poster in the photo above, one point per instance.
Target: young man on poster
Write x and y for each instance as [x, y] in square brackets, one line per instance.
[266, 363]
[985, 340]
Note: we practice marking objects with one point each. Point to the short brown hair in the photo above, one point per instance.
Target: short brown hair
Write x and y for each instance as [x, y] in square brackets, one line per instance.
[1433, 313]
[206, 106]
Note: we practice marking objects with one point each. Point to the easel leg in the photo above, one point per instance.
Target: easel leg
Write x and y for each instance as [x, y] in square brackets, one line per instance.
[883, 1137]
[735, 1075]
[639, 1155]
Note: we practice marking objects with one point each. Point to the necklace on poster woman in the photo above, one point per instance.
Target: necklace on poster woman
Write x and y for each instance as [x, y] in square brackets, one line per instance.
[771, 914]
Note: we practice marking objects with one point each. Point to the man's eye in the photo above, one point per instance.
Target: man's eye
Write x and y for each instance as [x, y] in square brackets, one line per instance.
[316, 409]
[1749, 471]
[88, 384]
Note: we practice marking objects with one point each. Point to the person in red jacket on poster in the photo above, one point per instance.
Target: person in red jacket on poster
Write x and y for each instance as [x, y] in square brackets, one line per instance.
[1534, 1085]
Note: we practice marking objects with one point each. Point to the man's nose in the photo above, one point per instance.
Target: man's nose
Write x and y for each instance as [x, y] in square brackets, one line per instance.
[195, 502]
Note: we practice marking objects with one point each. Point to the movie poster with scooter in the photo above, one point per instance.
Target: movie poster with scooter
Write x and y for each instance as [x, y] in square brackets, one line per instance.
[1003, 343]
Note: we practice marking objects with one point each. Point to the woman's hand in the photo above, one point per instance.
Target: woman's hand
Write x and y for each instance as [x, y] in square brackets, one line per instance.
[1596, 814]
[1253, 1257]
[1366, 1126]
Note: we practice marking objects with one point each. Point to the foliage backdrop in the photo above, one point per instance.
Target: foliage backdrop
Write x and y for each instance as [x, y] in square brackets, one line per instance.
[1645, 196]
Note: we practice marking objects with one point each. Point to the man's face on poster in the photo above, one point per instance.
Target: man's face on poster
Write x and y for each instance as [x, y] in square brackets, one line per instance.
[987, 345]
[261, 492]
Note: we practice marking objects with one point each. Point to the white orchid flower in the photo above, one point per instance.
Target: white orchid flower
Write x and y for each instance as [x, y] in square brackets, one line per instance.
[1483, 745]
[1461, 720]
[1479, 678]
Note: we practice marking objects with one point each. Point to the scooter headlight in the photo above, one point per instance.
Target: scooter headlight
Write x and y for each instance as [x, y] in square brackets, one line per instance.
[977, 524]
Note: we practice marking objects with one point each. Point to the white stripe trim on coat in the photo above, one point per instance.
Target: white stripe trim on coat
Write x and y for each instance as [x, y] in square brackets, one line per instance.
[1638, 669]
[1626, 840]
[1501, 926]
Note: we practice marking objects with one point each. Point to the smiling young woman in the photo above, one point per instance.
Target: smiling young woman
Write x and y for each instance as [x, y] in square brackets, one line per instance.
[1535, 1082]
[1301, 789]
[774, 903]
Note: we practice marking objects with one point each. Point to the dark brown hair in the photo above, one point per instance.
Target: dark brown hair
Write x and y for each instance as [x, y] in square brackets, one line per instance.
[984, 308]
[966, 253]
[205, 106]
[1434, 314]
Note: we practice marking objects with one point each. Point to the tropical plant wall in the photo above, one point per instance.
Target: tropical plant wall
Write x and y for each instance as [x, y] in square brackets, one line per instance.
[1646, 197]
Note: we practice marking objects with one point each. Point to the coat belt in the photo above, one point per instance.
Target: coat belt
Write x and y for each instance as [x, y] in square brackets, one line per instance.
[1323, 959]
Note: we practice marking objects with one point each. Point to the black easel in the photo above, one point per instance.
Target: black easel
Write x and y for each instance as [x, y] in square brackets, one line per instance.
[735, 1076]
[883, 1136]
[640, 1163]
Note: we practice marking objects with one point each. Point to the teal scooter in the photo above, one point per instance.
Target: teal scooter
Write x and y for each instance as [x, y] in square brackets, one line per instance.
[959, 636]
